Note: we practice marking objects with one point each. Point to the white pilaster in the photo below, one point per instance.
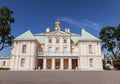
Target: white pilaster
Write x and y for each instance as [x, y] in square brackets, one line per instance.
[53, 43]
[61, 44]
[53, 63]
[44, 63]
[78, 63]
[61, 63]
[70, 63]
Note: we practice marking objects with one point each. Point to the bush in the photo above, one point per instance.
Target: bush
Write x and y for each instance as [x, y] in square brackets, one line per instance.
[105, 67]
[4, 68]
[117, 63]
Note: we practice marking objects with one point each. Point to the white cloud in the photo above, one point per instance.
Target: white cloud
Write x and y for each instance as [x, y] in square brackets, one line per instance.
[91, 24]
[80, 24]
[71, 21]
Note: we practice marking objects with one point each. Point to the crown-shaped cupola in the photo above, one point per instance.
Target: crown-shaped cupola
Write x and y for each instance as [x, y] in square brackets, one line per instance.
[57, 25]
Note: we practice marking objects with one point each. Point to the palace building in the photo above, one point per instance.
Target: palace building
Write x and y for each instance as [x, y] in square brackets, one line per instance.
[56, 50]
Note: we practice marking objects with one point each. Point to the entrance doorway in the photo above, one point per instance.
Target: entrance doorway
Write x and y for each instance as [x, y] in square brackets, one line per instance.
[49, 63]
[40, 63]
[57, 63]
[74, 63]
[65, 63]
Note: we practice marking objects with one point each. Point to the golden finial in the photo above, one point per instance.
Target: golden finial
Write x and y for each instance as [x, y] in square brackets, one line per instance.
[57, 24]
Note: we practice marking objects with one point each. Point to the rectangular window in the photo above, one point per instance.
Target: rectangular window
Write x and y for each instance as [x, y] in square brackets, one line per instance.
[4, 63]
[91, 62]
[50, 40]
[90, 48]
[22, 62]
[57, 40]
[24, 49]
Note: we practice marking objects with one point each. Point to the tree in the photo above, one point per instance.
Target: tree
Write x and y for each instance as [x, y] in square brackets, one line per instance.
[117, 36]
[118, 62]
[108, 39]
[5, 27]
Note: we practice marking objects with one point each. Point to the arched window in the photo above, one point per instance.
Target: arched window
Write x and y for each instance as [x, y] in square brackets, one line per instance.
[73, 50]
[65, 40]
[57, 49]
[64, 49]
[42, 49]
[49, 49]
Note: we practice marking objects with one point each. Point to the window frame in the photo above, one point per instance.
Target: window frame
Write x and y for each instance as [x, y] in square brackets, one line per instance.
[49, 49]
[64, 49]
[4, 63]
[49, 40]
[57, 40]
[57, 49]
[90, 48]
[91, 62]
[65, 41]
[22, 62]
[24, 48]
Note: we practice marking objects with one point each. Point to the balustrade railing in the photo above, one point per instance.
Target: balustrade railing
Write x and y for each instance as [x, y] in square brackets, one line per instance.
[58, 54]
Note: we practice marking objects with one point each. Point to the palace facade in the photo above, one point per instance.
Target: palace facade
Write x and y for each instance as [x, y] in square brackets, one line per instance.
[56, 50]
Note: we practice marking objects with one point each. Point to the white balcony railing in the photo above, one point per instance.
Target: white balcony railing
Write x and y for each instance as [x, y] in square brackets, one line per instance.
[57, 54]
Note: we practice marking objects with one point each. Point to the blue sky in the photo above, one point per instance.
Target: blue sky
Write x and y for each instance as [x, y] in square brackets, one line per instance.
[36, 15]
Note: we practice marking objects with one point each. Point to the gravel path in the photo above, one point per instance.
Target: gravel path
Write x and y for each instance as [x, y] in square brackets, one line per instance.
[59, 77]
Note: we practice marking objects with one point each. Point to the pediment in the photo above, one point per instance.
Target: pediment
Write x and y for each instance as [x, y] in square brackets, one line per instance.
[57, 32]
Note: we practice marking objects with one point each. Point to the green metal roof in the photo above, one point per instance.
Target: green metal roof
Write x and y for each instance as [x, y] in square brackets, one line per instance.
[84, 37]
[75, 38]
[26, 36]
[88, 36]
[41, 37]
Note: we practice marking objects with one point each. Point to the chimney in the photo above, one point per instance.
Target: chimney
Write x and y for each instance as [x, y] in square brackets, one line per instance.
[68, 30]
[83, 30]
[47, 29]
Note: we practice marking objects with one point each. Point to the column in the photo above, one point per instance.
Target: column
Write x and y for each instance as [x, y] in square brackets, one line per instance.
[53, 63]
[61, 63]
[78, 63]
[70, 63]
[44, 63]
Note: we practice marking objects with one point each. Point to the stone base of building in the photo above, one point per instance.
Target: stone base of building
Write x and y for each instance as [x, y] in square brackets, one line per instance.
[82, 69]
